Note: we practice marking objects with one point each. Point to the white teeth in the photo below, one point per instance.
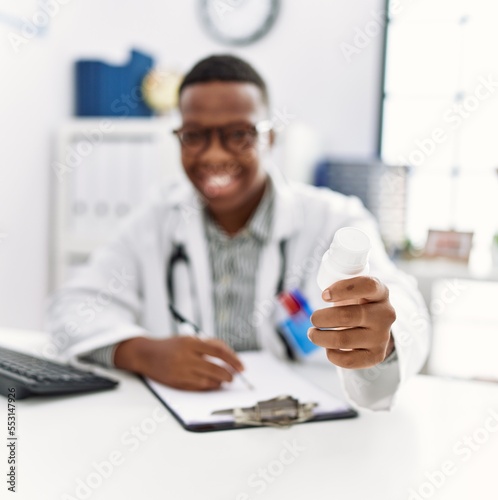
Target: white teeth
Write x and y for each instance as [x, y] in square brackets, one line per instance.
[219, 180]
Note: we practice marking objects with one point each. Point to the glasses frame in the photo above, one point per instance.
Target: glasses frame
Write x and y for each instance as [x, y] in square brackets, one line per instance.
[257, 129]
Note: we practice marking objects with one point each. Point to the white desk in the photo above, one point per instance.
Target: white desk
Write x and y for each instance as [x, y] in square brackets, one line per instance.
[378, 456]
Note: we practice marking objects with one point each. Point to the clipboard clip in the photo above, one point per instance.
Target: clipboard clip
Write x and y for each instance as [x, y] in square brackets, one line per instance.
[282, 411]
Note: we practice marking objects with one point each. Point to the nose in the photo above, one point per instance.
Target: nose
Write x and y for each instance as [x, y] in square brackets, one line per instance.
[215, 152]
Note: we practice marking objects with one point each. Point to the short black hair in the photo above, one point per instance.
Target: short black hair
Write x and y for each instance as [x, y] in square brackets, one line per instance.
[224, 68]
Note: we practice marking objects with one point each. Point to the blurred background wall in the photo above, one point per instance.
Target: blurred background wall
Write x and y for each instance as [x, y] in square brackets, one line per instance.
[308, 76]
[301, 58]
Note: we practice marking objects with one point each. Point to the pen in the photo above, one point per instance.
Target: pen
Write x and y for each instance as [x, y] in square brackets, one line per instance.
[198, 332]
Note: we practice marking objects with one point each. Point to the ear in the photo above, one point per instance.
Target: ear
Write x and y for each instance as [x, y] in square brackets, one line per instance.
[267, 140]
[272, 137]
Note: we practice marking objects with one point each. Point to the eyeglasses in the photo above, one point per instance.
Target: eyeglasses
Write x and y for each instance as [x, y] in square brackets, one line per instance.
[235, 138]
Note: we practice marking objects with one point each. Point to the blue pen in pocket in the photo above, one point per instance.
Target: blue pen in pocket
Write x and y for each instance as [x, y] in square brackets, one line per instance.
[294, 322]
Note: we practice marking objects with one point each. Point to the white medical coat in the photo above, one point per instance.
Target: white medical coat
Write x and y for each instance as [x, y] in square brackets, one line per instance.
[121, 293]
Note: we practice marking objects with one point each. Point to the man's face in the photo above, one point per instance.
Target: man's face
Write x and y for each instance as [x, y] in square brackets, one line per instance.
[227, 178]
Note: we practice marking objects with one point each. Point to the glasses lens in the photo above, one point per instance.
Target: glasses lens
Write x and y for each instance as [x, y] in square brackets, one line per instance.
[193, 140]
[238, 138]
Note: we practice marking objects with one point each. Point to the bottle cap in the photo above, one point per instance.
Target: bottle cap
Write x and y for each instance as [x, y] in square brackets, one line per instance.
[349, 250]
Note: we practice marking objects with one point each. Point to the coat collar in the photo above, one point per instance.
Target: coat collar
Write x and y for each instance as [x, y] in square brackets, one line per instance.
[287, 217]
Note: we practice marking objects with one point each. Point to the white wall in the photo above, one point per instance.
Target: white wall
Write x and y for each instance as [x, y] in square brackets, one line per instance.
[301, 58]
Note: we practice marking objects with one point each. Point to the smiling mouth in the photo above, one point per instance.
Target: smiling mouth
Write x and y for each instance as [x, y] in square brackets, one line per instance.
[219, 180]
[219, 185]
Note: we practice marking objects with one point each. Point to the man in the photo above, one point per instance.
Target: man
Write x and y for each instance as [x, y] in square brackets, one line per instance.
[217, 249]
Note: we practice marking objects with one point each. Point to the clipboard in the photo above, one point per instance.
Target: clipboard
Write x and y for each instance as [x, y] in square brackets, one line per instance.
[278, 392]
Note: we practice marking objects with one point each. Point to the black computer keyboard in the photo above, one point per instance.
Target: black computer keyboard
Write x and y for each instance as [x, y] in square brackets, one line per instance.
[30, 375]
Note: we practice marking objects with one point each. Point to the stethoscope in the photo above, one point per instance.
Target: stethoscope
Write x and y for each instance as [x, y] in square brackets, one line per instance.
[179, 255]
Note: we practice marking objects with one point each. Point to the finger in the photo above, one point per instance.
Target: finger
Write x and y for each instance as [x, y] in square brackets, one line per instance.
[194, 375]
[201, 384]
[218, 349]
[206, 384]
[353, 338]
[357, 359]
[361, 287]
[340, 316]
[373, 315]
[213, 371]
[209, 385]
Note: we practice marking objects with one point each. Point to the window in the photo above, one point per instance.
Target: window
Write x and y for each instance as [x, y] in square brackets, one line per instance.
[440, 113]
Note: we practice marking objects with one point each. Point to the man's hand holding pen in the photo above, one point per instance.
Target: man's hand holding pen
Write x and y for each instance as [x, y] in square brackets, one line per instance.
[180, 362]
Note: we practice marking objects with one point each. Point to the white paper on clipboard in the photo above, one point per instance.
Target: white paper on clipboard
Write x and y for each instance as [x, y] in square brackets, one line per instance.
[270, 378]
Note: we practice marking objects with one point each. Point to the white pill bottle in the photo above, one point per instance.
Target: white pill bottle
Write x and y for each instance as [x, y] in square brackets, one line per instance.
[346, 258]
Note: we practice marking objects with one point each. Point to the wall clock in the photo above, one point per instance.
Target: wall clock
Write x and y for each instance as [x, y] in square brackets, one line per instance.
[239, 22]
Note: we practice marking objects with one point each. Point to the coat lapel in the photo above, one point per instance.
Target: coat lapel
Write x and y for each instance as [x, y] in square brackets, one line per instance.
[287, 220]
[190, 233]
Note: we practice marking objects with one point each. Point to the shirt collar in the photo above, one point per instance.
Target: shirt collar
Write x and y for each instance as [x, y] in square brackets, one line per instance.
[260, 224]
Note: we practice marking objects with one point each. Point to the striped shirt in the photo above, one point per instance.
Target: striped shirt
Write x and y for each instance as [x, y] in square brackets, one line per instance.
[234, 262]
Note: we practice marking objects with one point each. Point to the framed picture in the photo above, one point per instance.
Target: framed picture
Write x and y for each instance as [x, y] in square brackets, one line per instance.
[453, 245]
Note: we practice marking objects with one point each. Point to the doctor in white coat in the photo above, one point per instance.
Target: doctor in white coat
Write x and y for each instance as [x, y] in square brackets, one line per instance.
[237, 227]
